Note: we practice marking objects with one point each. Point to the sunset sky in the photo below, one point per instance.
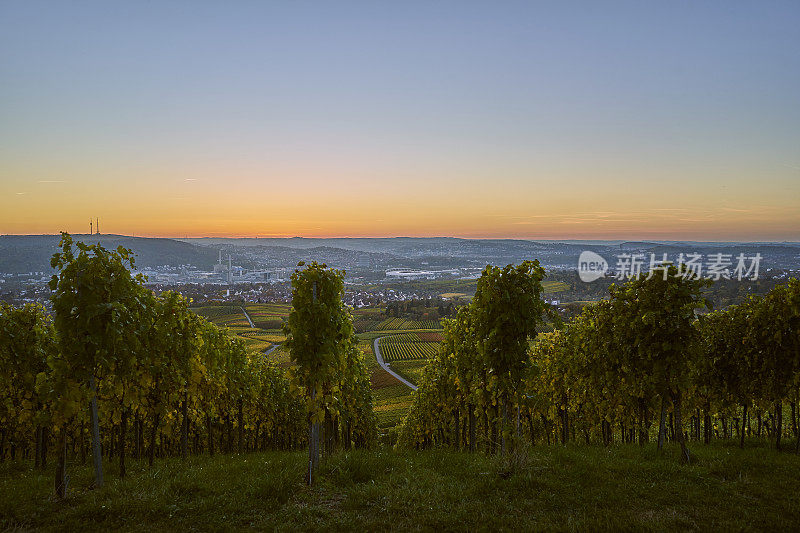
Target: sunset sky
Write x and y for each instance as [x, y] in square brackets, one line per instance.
[541, 120]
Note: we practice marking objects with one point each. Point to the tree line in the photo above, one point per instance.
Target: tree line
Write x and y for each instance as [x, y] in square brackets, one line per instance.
[643, 363]
[420, 309]
[117, 371]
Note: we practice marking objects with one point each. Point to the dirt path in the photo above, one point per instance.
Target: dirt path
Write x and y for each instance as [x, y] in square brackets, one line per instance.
[385, 366]
[247, 317]
[270, 349]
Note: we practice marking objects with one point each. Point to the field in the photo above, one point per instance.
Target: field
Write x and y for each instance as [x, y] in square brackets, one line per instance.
[552, 287]
[411, 370]
[256, 339]
[367, 319]
[550, 488]
[223, 315]
[407, 350]
[390, 398]
[572, 487]
[409, 344]
[268, 316]
[394, 349]
[451, 295]
[390, 401]
[395, 323]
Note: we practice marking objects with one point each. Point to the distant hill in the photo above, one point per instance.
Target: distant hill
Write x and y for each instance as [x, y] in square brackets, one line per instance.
[449, 252]
[32, 253]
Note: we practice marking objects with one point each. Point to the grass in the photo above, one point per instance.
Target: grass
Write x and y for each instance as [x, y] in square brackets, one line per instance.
[576, 488]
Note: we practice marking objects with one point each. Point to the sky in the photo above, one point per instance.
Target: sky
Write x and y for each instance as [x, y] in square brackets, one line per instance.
[536, 120]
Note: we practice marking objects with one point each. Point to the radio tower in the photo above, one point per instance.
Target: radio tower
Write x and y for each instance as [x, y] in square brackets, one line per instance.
[97, 226]
[90, 226]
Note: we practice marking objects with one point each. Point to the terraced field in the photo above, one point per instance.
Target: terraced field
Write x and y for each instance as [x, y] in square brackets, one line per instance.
[394, 323]
[409, 344]
[406, 346]
[268, 316]
[254, 338]
[258, 339]
[410, 336]
[390, 398]
[550, 287]
[223, 315]
[367, 319]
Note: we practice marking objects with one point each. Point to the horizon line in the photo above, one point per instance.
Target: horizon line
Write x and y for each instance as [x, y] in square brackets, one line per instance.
[286, 237]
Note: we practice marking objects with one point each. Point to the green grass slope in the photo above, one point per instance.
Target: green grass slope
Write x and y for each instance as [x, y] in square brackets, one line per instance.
[545, 488]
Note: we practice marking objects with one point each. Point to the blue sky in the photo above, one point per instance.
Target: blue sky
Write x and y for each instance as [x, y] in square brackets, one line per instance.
[529, 119]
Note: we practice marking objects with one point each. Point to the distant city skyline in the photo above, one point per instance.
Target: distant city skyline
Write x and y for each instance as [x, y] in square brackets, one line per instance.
[611, 121]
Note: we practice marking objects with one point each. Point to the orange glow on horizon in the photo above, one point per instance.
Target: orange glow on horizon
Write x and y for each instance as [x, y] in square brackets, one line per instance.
[478, 200]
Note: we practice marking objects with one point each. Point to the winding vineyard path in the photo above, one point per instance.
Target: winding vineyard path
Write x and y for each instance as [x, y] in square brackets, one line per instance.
[385, 366]
[247, 317]
[271, 348]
